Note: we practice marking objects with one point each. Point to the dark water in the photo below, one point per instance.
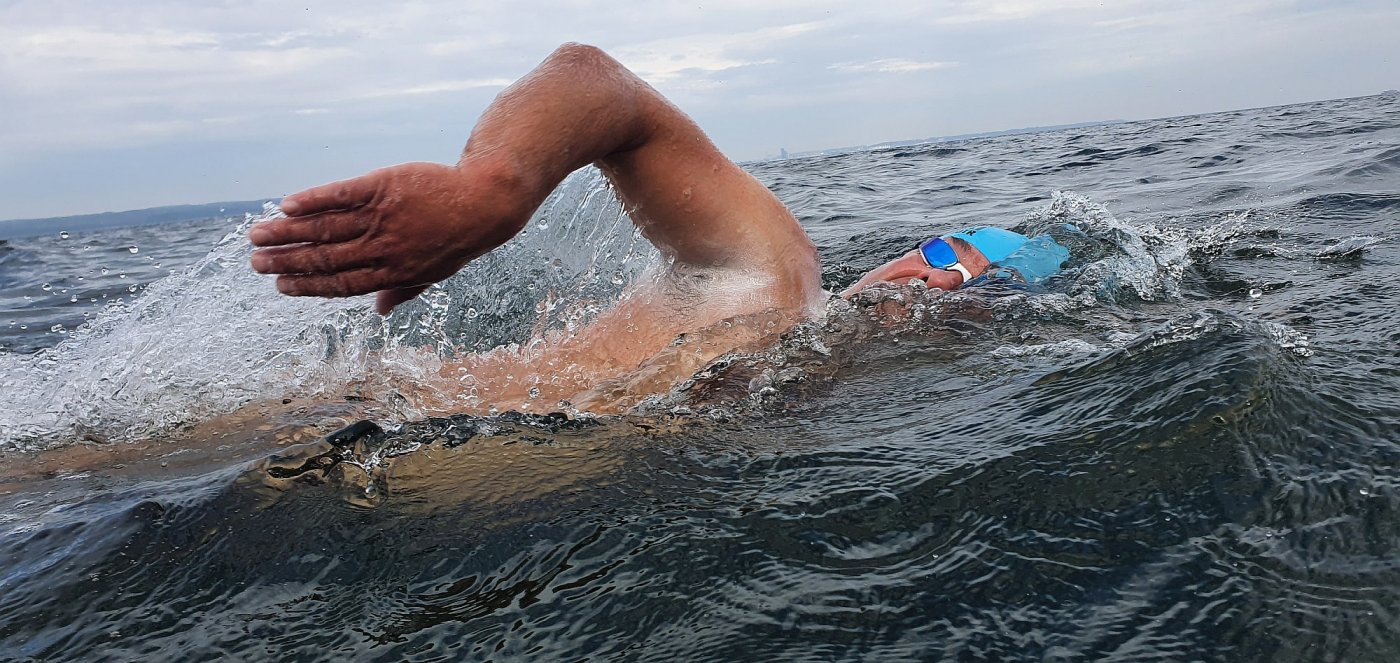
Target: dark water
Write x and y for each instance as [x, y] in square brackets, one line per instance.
[1184, 449]
[51, 284]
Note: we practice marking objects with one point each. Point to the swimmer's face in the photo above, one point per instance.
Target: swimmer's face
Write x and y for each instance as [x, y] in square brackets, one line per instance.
[912, 266]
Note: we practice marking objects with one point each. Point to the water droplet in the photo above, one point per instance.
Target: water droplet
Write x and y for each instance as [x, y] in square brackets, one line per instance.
[56, 329]
[24, 326]
[104, 271]
[1365, 491]
[134, 250]
[122, 275]
[472, 313]
[534, 392]
[1255, 293]
[73, 299]
[63, 234]
[131, 288]
[47, 287]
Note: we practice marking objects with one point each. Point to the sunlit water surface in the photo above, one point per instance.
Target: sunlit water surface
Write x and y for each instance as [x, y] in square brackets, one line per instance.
[1184, 448]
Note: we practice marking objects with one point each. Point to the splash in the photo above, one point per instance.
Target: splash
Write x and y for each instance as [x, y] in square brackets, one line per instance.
[1111, 258]
[1349, 248]
[196, 343]
[575, 256]
[217, 336]
[1116, 268]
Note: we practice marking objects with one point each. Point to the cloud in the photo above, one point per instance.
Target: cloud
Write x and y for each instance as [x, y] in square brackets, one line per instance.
[104, 47]
[696, 55]
[892, 66]
[434, 87]
[396, 81]
[115, 68]
[991, 11]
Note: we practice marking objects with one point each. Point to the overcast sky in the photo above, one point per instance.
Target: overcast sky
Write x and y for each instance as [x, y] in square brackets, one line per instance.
[118, 105]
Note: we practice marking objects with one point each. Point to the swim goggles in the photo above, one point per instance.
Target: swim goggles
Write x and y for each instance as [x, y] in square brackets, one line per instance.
[939, 254]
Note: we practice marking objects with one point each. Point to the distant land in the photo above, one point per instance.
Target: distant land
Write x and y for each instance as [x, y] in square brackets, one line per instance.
[784, 154]
[140, 217]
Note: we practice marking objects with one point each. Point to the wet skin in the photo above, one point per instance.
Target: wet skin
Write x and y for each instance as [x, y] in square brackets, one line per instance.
[731, 250]
[911, 265]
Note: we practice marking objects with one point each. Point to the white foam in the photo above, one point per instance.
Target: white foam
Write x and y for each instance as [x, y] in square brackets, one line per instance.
[1288, 338]
[199, 342]
[218, 336]
[1061, 349]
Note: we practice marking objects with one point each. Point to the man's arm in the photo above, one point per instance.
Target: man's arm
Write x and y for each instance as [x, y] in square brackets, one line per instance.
[400, 229]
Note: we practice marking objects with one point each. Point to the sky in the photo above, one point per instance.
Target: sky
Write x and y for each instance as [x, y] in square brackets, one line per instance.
[121, 105]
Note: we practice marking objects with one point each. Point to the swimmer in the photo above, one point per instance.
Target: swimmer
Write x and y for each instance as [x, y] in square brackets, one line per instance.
[730, 248]
[951, 261]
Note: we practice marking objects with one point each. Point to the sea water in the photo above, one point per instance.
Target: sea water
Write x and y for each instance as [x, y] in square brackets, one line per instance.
[1183, 448]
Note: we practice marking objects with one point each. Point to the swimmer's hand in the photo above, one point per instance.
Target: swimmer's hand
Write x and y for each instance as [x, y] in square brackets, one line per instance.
[394, 231]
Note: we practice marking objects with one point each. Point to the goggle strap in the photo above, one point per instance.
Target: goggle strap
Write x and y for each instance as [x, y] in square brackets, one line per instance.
[958, 267]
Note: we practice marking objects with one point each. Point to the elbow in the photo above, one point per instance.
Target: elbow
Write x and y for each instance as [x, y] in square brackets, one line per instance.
[590, 63]
[609, 83]
[576, 54]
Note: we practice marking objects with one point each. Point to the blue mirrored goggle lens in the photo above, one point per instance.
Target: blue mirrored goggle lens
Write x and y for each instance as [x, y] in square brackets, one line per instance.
[938, 253]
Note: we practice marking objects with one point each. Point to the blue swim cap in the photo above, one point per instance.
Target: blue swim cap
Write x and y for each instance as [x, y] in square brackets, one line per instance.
[995, 243]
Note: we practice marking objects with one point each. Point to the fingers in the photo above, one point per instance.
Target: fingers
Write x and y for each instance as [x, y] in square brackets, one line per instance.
[349, 284]
[322, 228]
[386, 300]
[307, 219]
[342, 195]
[312, 258]
[340, 284]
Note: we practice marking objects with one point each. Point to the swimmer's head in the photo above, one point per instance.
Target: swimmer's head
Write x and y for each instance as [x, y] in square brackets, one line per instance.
[942, 262]
[946, 262]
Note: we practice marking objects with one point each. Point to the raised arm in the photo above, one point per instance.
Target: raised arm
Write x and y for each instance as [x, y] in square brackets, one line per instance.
[399, 229]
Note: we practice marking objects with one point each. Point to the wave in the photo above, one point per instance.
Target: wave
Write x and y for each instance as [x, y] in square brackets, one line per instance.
[216, 337]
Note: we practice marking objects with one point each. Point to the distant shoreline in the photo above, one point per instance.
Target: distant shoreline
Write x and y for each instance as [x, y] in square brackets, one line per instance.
[950, 139]
[22, 228]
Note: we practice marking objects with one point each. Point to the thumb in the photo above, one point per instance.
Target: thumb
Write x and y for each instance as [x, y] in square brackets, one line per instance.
[386, 300]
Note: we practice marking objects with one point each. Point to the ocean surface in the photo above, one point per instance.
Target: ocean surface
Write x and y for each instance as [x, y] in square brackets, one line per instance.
[1186, 447]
